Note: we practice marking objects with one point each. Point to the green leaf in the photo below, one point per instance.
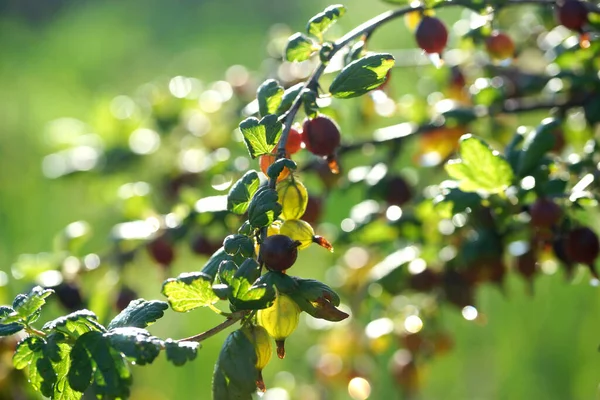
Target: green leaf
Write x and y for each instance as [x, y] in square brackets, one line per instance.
[245, 294]
[283, 282]
[262, 136]
[62, 389]
[28, 306]
[239, 244]
[93, 357]
[135, 343]
[536, 145]
[318, 24]
[189, 291]
[318, 300]
[181, 352]
[235, 374]
[309, 101]
[38, 354]
[139, 313]
[212, 265]
[362, 75]
[479, 167]
[10, 328]
[264, 208]
[269, 96]
[460, 200]
[278, 166]
[289, 96]
[242, 191]
[299, 47]
[75, 324]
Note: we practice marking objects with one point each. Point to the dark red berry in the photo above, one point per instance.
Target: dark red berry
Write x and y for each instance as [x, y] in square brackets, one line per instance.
[126, 296]
[313, 211]
[69, 296]
[424, 281]
[500, 46]
[202, 245]
[582, 246]
[161, 250]
[278, 252]
[572, 14]
[398, 191]
[321, 135]
[431, 35]
[545, 213]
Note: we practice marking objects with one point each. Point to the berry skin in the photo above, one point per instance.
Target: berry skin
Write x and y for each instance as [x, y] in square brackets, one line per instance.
[280, 320]
[278, 252]
[398, 191]
[582, 245]
[572, 14]
[294, 141]
[500, 46]
[161, 251]
[265, 162]
[126, 296]
[321, 135]
[69, 296]
[431, 35]
[545, 213]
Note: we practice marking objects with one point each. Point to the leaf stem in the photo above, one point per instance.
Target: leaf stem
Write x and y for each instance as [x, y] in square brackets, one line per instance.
[32, 331]
[232, 319]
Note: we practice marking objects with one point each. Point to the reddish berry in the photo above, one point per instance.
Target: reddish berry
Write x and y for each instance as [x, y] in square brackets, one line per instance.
[69, 296]
[202, 245]
[398, 191]
[545, 213]
[321, 135]
[161, 251]
[572, 14]
[431, 35]
[294, 141]
[313, 211]
[278, 252]
[424, 281]
[582, 246]
[126, 296]
[500, 46]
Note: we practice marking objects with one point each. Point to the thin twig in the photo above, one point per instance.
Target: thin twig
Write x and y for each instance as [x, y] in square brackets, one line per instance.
[235, 317]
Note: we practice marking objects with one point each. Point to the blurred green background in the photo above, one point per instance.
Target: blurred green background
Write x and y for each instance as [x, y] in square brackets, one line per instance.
[63, 58]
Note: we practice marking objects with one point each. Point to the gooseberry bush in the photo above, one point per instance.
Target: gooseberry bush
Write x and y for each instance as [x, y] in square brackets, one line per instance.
[493, 173]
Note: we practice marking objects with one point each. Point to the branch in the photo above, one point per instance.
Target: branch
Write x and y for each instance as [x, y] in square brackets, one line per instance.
[235, 317]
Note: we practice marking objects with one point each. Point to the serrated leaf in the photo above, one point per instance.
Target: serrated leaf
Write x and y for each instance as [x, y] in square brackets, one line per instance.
[139, 313]
[362, 75]
[75, 324]
[181, 352]
[262, 136]
[62, 389]
[135, 343]
[10, 328]
[37, 354]
[299, 47]
[239, 244]
[242, 191]
[211, 267]
[279, 165]
[93, 358]
[283, 282]
[319, 24]
[235, 374]
[536, 145]
[264, 208]
[318, 300]
[243, 290]
[479, 167]
[28, 306]
[289, 96]
[189, 291]
[269, 96]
